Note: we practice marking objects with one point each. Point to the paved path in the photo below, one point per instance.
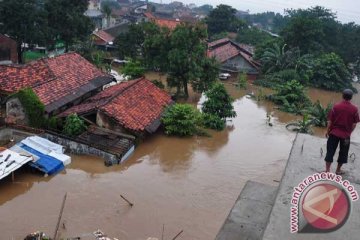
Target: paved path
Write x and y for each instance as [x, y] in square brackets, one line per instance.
[305, 159]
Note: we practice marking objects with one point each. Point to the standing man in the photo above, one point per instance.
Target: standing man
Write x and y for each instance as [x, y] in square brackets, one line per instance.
[342, 118]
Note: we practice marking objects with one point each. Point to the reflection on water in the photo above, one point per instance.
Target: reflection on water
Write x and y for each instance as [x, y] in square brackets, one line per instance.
[187, 184]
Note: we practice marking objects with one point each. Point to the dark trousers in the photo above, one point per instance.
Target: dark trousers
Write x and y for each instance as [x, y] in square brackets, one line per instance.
[332, 144]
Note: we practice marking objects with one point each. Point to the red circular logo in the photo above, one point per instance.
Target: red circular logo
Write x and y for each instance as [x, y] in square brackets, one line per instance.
[326, 206]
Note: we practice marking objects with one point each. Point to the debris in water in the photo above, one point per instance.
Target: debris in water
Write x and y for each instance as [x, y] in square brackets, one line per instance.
[100, 235]
[130, 203]
[37, 236]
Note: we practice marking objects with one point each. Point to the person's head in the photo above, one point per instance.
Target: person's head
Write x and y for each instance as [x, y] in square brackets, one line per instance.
[347, 94]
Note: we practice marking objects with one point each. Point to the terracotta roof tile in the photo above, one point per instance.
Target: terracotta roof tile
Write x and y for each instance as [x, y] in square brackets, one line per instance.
[104, 36]
[51, 78]
[135, 104]
[162, 22]
[225, 49]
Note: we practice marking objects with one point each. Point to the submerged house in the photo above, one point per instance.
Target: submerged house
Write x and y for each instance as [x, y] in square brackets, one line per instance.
[60, 82]
[135, 106]
[234, 57]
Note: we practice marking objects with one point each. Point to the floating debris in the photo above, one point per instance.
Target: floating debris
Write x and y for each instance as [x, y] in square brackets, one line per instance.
[37, 236]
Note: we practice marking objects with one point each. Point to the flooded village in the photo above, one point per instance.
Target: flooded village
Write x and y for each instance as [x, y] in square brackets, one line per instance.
[150, 123]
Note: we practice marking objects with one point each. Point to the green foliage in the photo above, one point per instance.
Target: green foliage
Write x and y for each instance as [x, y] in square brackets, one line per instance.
[74, 126]
[186, 56]
[319, 114]
[111, 4]
[52, 123]
[204, 9]
[181, 120]
[30, 56]
[208, 75]
[158, 83]
[278, 58]
[218, 36]
[291, 97]
[33, 107]
[253, 36]
[66, 21]
[273, 22]
[22, 20]
[133, 69]
[219, 102]
[331, 73]
[212, 122]
[302, 126]
[242, 81]
[223, 19]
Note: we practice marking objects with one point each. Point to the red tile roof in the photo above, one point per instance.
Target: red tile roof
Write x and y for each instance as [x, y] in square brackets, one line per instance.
[50, 78]
[225, 49]
[107, 38]
[135, 104]
[162, 22]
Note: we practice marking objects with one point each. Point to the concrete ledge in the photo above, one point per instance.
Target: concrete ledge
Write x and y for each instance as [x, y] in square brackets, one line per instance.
[307, 158]
[248, 218]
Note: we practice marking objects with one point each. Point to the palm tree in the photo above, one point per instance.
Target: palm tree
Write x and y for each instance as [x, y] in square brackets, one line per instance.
[277, 58]
[302, 126]
[107, 11]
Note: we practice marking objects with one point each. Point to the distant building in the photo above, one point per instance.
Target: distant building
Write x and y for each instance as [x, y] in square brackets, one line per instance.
[161, 22]
[59, 82]
[8, 50]
[135, 106]
[97, 17]
[234, 57]
[102, 38]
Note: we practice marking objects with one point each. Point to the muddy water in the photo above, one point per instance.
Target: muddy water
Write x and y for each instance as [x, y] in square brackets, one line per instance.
[186, 184]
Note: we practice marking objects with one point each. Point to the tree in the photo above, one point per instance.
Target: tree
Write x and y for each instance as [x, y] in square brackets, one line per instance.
[24, 21]
[208, 75]
[219, 102]
[133, 69]
[74, 126]
[331, 73]
[223, 19]
[277, 58]
[212, 122]
[141, 41]
[312, 30]
[110, 3]
[186, 55]
[181, 120]
[106, 9]
[67, 21]
[252, 36]
[291, 97]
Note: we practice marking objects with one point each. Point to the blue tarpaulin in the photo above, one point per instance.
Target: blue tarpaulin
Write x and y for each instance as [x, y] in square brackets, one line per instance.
[45, 163]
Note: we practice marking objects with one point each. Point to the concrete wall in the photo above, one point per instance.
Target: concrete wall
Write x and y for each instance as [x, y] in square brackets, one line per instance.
[6, 134]
[83, 149]
[105, 122]
[15, 112]
[239, 64]
[17, 135]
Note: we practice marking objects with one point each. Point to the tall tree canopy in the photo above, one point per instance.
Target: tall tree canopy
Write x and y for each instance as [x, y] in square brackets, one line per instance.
[67, 21]
[23, 20]
[187, 51]
[223, 18]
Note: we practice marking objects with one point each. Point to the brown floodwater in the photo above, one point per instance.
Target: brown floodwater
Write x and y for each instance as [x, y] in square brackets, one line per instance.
[187, 184]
